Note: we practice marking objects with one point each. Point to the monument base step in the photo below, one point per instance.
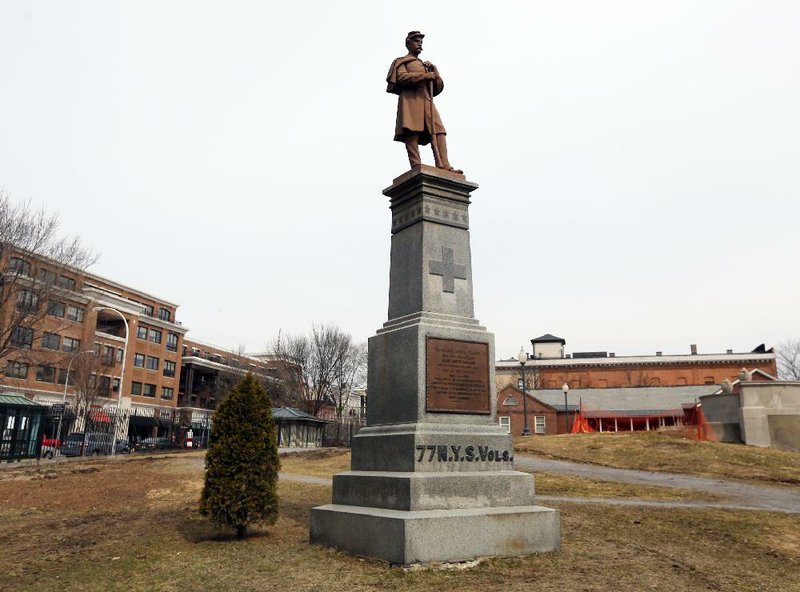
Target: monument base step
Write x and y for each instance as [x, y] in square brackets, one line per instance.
[432, 491]
[404, 538]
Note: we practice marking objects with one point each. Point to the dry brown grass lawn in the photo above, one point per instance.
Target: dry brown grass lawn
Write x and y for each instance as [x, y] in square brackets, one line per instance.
[654, 451]
[134, 526]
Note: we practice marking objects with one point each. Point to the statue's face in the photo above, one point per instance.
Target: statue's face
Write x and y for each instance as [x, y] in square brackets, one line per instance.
[414, 45]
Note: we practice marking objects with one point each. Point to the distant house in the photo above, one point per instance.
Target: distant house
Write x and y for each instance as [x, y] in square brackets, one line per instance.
[542, 418]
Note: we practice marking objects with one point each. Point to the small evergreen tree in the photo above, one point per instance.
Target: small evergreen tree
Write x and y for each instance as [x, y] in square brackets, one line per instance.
[242, 460]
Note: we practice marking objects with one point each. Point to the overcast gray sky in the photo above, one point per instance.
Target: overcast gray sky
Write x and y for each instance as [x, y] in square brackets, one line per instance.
[637, 161]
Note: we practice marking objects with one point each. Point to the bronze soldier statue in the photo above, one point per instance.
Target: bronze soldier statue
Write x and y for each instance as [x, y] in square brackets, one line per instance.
[418, 122]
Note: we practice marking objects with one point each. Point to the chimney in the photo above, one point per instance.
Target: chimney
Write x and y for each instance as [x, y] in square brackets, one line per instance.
[693, 347]
[658, 353]
[729, 351]
[612, 355]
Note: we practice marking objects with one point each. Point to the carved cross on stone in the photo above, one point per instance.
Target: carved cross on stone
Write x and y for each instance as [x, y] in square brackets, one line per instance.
[448, 270]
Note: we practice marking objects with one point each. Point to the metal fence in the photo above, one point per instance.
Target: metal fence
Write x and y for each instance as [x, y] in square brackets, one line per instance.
[127, 427]
[342, 431]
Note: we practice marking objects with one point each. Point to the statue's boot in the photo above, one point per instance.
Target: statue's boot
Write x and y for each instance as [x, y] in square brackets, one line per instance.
[442, 162]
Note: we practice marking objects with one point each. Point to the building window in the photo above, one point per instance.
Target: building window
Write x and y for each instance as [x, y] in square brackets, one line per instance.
[56, 309]
[27, 301]
[70, 344]
[104, 387]
[169, 368]
[51, 341]
[136, 388]
[75, 313]
[147, 309]
[505, 422]
[149, 390]
[141, 332]
[540, 425]
[46, 276]
[155, 335]
[62, 376]
[45, 374]
[138, 360]
[108, 355]
[19, 266]
[164, 314]
[709, 380]
[510, 400]
[66, 282]
[17, 370]
[115, 385]
[152, 363]
[172, 342]
[166, 393]
[120, 354]
[22, 337]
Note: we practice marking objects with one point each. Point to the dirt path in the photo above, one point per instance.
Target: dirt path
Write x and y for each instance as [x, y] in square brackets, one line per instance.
[744, 496]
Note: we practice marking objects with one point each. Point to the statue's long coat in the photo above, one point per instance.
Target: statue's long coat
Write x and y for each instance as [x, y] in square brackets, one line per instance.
[414, 104]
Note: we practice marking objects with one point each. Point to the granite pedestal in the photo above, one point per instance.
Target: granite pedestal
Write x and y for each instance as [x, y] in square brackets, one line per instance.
[432, 475]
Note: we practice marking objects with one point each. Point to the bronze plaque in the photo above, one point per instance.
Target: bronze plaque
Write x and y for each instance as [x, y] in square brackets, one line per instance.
[457, 376]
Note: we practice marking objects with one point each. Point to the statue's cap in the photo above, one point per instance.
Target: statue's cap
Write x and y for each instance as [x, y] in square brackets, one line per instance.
[414, 35]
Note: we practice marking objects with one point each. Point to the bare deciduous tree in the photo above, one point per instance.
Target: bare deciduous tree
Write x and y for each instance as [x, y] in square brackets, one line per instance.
[313, 366]
[350, 373]
[91, 390]
[33, 261]
[788, 354]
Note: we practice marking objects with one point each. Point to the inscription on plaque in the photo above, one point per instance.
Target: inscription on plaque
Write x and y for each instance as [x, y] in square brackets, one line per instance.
[457, 376]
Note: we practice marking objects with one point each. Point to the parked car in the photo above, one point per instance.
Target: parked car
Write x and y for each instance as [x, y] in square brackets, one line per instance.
[153, 444]
[96, 443]
[123, 447]
[50, 446]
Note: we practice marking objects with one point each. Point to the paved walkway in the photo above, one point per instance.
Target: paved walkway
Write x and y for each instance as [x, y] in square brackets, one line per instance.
[743, 495]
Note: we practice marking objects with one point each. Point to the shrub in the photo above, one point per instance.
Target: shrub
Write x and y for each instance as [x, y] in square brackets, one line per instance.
[242, 460]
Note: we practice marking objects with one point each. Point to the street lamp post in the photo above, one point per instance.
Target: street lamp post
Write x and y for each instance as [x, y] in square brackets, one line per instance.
[66, 384]
[121, 374]
[565, 389]
[523, 357]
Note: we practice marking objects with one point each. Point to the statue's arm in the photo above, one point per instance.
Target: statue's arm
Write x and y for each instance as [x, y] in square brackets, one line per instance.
[411, 78]
[438, 85]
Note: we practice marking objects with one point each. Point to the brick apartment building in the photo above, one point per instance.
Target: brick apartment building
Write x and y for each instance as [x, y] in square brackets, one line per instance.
[207, 371]
[85, 314]
[165, 382]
